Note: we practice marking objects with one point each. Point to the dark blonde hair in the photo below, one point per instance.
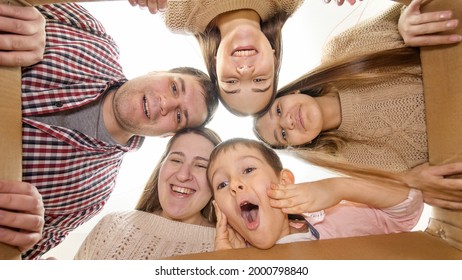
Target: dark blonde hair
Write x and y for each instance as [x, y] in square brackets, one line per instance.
[149, 200]
[268, 154]
[361, 70]
[210, 39]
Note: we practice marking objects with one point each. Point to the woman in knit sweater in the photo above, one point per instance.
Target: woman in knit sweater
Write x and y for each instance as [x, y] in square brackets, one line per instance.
[364, 106]
[241, 43]
[174, 215]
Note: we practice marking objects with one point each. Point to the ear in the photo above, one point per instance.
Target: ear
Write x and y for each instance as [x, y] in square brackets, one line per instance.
[286, 177]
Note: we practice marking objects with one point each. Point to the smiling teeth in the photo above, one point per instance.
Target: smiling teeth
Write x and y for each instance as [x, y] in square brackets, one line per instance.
[182, 190]
[146, 109]
[244, 52]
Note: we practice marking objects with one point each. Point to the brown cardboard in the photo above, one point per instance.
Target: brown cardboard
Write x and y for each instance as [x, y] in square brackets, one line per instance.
[442, 75]
[10, 131]
[400, 246]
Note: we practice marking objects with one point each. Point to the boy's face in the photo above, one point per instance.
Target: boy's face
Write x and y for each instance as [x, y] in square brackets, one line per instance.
[240, 178]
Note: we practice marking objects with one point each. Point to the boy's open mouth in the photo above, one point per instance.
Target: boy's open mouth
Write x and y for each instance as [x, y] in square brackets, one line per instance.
[249, 212]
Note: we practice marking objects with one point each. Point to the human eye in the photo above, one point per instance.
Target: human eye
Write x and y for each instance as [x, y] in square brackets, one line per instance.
[249, 170]
[178, 116]
[278, 110]
[231, 82]
[258, 80]
[202, 165]
[222, 185]
[175, 160]
[284, 134]
[174, 89]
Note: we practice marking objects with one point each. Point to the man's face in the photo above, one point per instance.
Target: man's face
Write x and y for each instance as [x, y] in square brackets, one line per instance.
[240, 178]
[160, 103]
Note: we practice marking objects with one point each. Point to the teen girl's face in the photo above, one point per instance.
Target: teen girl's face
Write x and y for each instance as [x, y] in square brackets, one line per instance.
[293, 119]
[240, 178]
[245, 69]
[183, 187]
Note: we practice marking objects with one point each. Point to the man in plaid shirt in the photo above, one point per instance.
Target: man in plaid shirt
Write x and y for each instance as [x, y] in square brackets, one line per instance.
[81, 115]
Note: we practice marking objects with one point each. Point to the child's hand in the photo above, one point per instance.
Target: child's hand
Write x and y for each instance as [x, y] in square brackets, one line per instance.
[304, 197]
[226, 237]
[419, 29]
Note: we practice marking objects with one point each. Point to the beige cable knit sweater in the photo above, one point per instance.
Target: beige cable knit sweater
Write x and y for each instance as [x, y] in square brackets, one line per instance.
[390, 111]
[138, 235]
[193, 16]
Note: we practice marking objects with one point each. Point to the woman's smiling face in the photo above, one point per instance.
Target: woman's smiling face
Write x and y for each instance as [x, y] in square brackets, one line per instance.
[245, 69]
[183, 186]
[293, 119]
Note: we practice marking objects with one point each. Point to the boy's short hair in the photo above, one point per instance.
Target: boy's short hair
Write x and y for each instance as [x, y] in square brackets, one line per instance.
[270, 156]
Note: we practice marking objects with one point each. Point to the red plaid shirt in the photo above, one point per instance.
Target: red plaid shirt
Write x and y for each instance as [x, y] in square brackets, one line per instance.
[74, 173]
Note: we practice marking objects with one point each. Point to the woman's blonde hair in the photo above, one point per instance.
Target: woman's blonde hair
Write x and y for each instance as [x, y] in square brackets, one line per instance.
[365, 69]
[361, 70]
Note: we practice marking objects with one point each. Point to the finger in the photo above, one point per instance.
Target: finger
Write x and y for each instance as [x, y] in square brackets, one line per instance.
[22, 26]
[17, 187]
[414, 7]
[19, 58]
[433, 27]
[293, 210]
[152, 6]
[18, 12]
[22, 221]
[280, 191]
[447, 169]
[444, 194]
[31, 204]
[221, 218]
[432, 40]
[444, 203]
[162, 5]
[142, 4]
[22, 240]
[284, 203]
[13, 42]
[133, 2]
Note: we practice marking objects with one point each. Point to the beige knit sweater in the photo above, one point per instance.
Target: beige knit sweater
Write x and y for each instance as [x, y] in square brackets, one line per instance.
[391, 111]
[193, 16]
[137, 235]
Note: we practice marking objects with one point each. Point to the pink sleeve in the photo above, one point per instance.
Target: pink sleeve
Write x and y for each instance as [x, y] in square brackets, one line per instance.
[349, 219]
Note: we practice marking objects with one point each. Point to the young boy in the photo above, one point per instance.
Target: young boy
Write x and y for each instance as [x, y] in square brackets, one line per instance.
[254, 195]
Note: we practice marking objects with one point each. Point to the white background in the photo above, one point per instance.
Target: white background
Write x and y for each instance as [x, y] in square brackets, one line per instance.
[146, 45]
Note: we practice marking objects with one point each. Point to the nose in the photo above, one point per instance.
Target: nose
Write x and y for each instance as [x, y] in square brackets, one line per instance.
[184, 173]
[287, 121]
[168, 104]
[244, 69]
[236, 186]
